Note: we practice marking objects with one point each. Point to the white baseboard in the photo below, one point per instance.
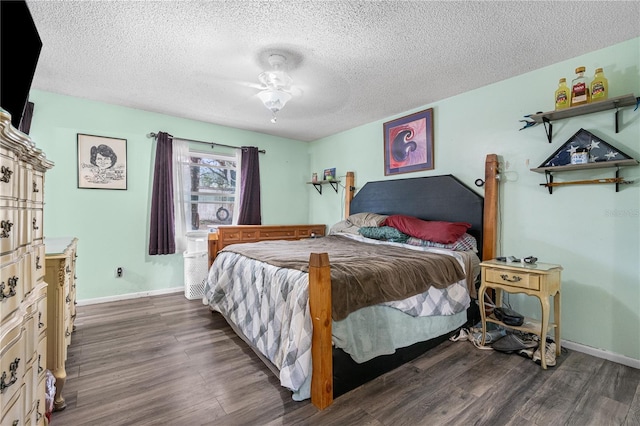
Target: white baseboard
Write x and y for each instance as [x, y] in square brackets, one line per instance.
[601, 353]
[130, 296]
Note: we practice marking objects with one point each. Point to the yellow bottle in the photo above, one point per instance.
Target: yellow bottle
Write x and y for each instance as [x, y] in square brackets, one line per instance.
[579, 89]
[563, 95]
[599, 86]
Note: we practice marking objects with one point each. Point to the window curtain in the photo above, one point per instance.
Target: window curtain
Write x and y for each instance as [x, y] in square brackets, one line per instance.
[236, 195]
[161, 232]
[249, 187]
[182, 190]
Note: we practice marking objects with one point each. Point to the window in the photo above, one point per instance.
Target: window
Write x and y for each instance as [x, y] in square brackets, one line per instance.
[210, 182]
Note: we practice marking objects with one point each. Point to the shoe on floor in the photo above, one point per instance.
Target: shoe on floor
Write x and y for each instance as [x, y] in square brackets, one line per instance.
[512, 343]
[527, 353]
[549, 355]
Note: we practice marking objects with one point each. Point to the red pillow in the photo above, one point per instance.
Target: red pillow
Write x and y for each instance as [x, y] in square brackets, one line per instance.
[431, 230]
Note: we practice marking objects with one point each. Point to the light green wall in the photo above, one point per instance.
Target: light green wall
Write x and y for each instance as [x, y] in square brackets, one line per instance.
[113, 226]
[590, 230]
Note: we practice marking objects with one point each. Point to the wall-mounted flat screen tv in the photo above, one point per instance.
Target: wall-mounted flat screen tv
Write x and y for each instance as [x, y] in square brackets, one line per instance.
[20, 47]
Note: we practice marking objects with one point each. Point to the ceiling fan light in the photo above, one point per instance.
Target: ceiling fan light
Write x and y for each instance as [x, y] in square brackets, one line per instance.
[275, 79]
[274, 100]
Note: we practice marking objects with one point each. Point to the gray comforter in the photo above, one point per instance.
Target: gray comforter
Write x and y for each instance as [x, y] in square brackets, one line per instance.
[360, 272]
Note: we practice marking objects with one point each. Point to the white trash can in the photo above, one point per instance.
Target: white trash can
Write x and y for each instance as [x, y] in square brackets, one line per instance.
[195, 274]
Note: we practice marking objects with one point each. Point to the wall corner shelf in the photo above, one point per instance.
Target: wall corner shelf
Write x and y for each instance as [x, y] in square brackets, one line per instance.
[318, 185]
[617, 180]
[613, 103]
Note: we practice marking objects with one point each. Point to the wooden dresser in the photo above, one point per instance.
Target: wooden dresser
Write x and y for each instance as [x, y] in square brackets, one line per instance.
[234, 234]
[23, 298]
[61, 307]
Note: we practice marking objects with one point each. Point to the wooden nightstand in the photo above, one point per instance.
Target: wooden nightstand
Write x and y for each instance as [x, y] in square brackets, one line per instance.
[540, 280]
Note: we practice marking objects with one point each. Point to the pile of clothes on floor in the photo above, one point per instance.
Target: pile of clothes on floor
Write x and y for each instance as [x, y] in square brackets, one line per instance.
[507, 340]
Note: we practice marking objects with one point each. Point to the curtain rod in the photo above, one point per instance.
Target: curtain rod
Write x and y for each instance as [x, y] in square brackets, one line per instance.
[153, 135]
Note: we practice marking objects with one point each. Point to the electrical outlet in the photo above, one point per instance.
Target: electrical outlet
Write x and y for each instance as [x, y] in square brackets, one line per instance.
[119, 272]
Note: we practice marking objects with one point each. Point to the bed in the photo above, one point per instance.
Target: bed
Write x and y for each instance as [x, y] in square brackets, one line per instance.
[321, 345]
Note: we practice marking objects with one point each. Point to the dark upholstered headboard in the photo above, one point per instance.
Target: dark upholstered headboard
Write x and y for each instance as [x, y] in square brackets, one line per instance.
[429, 198]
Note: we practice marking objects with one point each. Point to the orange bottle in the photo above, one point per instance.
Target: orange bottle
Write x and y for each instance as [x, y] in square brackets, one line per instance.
[579, 89]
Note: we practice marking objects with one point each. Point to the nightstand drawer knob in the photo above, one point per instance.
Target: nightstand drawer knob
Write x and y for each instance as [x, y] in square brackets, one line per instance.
[515, 278]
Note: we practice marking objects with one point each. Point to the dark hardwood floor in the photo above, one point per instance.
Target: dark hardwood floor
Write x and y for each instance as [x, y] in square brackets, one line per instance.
[166, 360]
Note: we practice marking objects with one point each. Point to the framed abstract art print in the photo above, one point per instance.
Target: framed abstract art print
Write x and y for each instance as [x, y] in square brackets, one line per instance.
[408, 143]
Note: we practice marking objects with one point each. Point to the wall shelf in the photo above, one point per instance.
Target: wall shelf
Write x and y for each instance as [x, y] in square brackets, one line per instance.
[614, 103]
[617, 180]
[318, 185]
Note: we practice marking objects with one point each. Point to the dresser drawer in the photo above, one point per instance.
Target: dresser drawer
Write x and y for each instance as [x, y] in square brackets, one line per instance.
[30, 381]
[514, 279]
[9, 227]
[30, 339]
[41, 359]
[39, 403]
[12, 363]
[276, 234]
[306, 233]
[25, 180]
[37, 188]
[11, 278]
[8, 177]
[38, 263]
[42, 314]
[23, 227]
[35, 225]
[13, 410]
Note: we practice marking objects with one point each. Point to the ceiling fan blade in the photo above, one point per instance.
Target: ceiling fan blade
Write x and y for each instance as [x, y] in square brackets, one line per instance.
[252, 85]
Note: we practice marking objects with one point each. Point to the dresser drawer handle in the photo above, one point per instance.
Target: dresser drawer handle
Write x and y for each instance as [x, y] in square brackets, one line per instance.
[515, 278]
[35, 227]
[38, 414]
[40, 323]
[38, 265]
[13, 369]
[5, 225]
[40, 369]
[13, 282]
[6, 174]
[35, 187]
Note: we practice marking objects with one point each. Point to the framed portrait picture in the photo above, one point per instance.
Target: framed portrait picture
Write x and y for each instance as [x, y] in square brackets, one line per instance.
[102, 162]
[408, 143]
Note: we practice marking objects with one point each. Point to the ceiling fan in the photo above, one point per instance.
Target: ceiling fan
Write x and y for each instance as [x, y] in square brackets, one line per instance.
[276, 85]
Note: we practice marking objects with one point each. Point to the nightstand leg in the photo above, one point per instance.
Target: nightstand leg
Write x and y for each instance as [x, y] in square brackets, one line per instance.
[544, 302]
[483, 315]
[556, 319]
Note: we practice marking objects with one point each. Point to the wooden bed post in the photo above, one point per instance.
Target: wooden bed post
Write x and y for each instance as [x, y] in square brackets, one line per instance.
[350, 187]
[321, 346]
[491, 194]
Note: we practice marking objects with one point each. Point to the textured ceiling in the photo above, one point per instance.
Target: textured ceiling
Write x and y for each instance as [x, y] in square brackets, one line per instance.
[351, 62]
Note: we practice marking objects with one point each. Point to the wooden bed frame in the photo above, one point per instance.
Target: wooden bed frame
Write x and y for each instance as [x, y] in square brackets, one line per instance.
[385, 202]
